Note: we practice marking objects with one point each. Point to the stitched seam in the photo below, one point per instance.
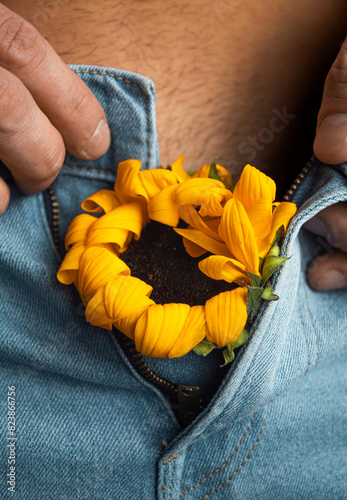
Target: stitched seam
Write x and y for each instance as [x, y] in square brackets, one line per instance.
[225, 463]
[163, 488]
[171, 458]
[314, 327]
[120, 78]
[305, 335]
[172, 476]
[107, 74]
[243, 463]
[147, 134]
[94, 170]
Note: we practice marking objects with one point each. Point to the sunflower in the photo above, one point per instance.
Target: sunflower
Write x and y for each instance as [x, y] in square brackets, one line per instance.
[238, 226]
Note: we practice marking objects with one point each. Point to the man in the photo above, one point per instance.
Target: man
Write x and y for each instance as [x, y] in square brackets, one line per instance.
[220, 71]
[236, 80]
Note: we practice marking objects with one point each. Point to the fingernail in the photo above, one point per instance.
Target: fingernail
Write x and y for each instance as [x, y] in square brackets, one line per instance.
[331, 140]
[331, 279]
[98, 143]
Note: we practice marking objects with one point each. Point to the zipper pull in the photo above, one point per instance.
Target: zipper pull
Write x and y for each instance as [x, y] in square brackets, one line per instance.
[189, 404]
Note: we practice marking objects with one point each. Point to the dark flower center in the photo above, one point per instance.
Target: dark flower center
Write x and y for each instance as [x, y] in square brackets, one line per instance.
[159, 258]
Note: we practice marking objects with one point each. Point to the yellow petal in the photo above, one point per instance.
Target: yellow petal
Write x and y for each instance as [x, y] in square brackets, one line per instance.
[212, 223]
[223, 173]
[219, 267]
[126, 294]
[155, 180]
[281, 216]
[96, 313]
[212, 205]
[204, 241]
[193, 249]
[98, 266]
[78, 229]
[226, 316]
[132, 183]
[194, 331]
[238, 234]
[115, 226]
[127, 325]
[196, 191]
[128, 185]
[69, 267]
[158, 328]
[253, 185]
[203, 172]
[189, 214]
[163, 208]
[104, 200]
[260, 217]
[179, 172]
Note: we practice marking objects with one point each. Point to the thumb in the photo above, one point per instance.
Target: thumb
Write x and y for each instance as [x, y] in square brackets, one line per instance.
[330, 145]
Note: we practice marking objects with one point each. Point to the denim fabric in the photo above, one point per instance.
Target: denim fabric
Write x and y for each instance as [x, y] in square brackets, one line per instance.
[89, 427]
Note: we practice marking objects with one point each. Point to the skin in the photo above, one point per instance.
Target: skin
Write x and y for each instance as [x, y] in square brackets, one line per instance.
[219, 76]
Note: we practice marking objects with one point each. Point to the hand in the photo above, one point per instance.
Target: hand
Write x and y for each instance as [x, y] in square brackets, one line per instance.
[330, 146]
[45, 108]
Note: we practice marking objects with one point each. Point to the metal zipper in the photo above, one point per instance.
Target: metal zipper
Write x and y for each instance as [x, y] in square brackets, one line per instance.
[54, 216]
[291, 191]
[185, 401]
[142, 367]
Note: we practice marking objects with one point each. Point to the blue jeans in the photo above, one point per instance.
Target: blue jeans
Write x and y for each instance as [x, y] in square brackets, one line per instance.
[88, 426]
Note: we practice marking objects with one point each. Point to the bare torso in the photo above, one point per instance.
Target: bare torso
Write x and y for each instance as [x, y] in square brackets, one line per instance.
[220, 68]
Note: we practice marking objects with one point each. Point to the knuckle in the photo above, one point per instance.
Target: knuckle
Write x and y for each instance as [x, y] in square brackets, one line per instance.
[336, 87]
[336, 83]
[50, 166]
[20, 43]
[79, 103]
[12, 100]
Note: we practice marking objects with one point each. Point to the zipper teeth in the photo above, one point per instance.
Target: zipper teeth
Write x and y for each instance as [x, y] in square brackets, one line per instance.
[145, 370]
[55, 212]
[291, 191]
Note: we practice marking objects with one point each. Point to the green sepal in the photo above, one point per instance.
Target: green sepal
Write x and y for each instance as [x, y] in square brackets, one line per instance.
[253, 299]
[204, 348]
[213, 173]
[268, 294]
[271, 264]
[274, 250]
[255, 279]
[228, 353]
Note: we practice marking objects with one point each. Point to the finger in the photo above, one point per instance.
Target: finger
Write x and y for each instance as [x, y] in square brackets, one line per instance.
[59, 92]
[4, 195]
[29, 144]
[331, 224]
[328, 272]
[330, 145]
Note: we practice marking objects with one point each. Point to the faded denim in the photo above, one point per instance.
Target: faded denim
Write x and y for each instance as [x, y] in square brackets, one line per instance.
[89, 427]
